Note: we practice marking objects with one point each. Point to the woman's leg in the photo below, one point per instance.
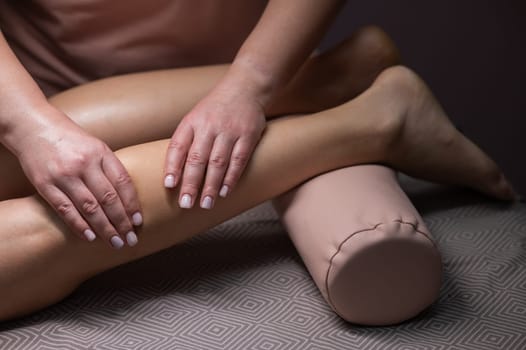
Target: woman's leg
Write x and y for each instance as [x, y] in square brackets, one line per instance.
[138, 108]
[396, 121]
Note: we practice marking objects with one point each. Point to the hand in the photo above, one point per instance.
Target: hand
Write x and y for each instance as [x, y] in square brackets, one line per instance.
[83, 181]
[213, 143]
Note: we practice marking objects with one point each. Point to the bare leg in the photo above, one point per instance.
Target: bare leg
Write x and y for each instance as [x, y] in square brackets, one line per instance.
[138, 108]
[396, 121]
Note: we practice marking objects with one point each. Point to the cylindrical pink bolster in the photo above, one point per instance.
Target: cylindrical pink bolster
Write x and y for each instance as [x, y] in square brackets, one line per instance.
[364, 244]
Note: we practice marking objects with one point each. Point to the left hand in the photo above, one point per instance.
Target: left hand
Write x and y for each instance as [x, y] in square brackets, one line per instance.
[213, 143]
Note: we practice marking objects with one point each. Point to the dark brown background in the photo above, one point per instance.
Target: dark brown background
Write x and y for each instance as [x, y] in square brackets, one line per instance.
[473, 55]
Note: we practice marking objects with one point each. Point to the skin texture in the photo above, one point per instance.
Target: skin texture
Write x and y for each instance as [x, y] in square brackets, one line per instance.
[87, 185]
[103, 108]
[75, 172]
[396, 121]
[219, 134]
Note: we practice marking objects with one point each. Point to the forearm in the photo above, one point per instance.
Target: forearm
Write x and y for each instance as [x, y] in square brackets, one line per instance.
[223, 129]
[286, 34]
[23, 106]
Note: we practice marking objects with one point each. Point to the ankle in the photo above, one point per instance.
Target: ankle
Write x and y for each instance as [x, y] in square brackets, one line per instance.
[392, 94]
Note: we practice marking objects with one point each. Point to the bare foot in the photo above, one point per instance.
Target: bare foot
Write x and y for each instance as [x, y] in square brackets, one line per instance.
[425, 143]
[339, 74]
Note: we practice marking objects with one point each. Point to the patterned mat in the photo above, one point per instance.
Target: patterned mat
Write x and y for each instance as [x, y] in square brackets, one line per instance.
[243, 286]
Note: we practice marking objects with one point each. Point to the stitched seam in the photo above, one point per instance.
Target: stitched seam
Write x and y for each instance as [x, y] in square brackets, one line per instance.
[331, 261]
[415, 227]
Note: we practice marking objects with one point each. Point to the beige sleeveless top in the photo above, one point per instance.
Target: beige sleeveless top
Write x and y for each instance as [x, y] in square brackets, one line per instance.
[63, 43]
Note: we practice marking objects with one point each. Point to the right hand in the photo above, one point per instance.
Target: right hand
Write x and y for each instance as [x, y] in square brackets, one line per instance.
[83, 181]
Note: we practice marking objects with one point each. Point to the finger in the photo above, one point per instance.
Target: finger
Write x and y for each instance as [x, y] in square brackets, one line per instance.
[176, 154]
[108, 198]
[241, 153]
[67, 211]
[194, 170]
[215, 172]
[91, 211]
[122, 182]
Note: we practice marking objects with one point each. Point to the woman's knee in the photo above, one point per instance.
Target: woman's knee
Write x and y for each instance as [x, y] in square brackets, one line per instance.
[30, 252]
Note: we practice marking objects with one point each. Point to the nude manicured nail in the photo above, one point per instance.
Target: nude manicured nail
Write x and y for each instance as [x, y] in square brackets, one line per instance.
[207, 203]
[90, 235]
[186, 201]
[116, 242]
[224, 191]
[137, 219]
[169, 181]
[131, 238]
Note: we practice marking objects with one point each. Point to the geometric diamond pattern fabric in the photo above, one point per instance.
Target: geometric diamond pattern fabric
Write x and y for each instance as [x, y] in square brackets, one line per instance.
[242, 285]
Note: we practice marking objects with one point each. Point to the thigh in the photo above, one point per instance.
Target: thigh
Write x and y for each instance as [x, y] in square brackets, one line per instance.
[137, 108]
[122, 111]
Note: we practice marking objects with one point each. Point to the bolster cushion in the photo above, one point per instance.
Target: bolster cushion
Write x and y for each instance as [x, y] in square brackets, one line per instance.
[364, 244]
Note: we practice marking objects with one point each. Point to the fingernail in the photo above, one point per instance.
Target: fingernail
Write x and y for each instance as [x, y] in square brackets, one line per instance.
[90, 235]
[137, 219]
[186, 201]
[169, 181]
[116, 242]
[131, 238]
[207, 203]
[224, 191]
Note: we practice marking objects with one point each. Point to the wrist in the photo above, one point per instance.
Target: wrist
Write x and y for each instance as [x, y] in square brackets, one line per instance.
[27, 124]
[251, 78]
